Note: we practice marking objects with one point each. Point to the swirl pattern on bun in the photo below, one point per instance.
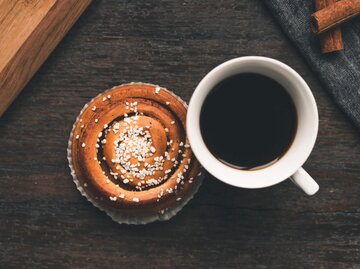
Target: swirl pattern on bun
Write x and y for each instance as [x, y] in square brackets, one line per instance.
[130, 153]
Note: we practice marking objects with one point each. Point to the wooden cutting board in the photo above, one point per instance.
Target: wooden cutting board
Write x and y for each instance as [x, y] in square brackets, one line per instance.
[29, 32]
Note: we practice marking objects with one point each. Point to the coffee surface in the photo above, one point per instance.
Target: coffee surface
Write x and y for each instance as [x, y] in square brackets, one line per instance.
[248, 121]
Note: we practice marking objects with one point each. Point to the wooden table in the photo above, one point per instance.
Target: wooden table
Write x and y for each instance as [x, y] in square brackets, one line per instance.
[46, 223]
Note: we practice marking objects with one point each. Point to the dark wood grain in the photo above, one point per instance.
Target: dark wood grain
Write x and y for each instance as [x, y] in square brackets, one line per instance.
[46, 223]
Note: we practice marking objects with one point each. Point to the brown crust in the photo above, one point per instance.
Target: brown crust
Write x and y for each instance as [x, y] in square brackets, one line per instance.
[154, 105]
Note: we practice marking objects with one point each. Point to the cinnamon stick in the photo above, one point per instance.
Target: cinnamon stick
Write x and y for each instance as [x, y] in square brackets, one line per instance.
[330, 40]
[334, 15]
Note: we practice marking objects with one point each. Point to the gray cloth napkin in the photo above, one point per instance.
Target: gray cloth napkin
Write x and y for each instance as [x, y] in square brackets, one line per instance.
[339, 71]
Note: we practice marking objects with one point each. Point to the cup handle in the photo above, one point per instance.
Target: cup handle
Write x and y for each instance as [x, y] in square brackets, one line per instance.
[305, 182]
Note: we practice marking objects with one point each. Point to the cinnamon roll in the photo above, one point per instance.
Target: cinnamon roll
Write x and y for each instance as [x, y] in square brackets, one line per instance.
[130, 156]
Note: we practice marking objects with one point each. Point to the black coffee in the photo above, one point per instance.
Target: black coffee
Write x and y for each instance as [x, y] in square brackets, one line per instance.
[248, 121]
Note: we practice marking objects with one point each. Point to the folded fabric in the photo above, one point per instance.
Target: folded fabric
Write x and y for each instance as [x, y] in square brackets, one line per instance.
[339, 71]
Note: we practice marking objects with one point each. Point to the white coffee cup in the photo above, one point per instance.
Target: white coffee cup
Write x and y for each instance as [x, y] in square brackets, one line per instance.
[289, 165]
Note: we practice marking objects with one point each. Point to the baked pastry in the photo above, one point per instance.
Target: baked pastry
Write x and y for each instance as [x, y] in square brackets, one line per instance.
[130, 156]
